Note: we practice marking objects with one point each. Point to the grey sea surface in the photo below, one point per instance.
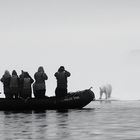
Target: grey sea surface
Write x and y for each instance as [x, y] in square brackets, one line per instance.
[106, 120]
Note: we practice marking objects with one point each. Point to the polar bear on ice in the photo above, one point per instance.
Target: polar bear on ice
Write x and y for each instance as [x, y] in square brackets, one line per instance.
[106, 89]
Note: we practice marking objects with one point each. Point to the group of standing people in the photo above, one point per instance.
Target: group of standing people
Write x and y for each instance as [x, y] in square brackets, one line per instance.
[21, 86]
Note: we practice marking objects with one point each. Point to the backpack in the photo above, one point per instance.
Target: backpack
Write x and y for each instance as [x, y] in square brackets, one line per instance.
[26, 83]
[14, 81]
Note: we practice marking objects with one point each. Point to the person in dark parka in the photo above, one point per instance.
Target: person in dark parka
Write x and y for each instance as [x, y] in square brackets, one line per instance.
[61, 76]
[14, 85]
[39, 86]
[6, 84]
[27, 82]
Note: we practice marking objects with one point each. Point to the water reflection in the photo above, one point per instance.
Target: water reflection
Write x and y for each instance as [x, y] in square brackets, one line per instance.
[39, 111]
[87, 109]
[39, 124]
[17, 112]
[105, 101]
[16, 124]
[62, 111]
[62, 124]
[106, 120]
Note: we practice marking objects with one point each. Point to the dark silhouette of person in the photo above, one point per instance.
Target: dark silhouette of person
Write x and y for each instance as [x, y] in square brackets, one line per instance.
[6, 84]
[61, 76]
[26, 81]
[39, 86]
[14, 85]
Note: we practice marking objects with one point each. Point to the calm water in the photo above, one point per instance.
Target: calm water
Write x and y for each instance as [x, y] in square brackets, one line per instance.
[116, 120]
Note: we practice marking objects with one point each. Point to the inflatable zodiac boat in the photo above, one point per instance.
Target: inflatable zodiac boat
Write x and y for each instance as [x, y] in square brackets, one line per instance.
[74, 100]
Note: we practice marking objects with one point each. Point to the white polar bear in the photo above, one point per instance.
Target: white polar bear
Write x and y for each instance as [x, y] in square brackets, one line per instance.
[106, 89]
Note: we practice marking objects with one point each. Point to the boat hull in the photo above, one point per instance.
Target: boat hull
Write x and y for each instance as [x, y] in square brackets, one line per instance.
[71, 101]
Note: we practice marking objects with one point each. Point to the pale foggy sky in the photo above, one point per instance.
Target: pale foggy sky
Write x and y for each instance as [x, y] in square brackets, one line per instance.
[98, 41]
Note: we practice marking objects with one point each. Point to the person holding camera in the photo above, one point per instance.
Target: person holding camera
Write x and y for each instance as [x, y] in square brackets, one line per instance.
[61, 77]
[39, 86]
